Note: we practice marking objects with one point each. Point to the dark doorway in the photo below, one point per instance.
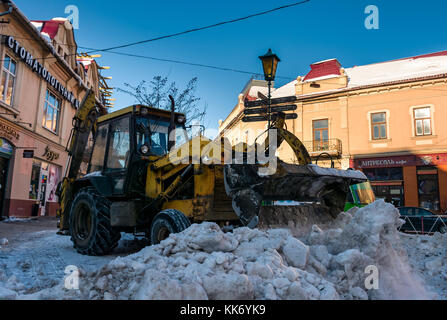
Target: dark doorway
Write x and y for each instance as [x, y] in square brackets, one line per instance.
[4, 163]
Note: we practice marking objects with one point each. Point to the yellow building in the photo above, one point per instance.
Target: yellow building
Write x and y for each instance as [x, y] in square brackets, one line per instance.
[42, 83]
[386, 119]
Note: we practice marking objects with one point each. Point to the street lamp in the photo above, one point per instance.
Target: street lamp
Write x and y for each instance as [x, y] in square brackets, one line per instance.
[269, 64]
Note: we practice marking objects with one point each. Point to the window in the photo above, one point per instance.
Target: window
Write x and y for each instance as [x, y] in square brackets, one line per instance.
[119, 145]
[428, 187]
[422, 121]
[8, 80]
[35, 179]
[378, 126]
[321, 135]
[158, 135]
[51, 112]
[384, 174]
[99, 150]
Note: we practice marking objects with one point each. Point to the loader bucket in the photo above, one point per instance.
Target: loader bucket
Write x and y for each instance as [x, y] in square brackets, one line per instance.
[318, 194]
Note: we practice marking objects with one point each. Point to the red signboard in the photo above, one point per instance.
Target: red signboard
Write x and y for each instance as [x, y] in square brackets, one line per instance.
[401, 161]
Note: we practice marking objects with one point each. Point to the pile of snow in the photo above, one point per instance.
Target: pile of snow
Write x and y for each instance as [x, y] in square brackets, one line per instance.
[205, 263]
[428, 257]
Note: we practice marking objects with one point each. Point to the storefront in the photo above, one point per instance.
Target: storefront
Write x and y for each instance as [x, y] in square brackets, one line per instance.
[38, 99]
[414, 180]
[30, 170]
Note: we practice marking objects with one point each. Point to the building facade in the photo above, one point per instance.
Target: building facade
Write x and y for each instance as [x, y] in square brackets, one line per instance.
[386, 119]
[42, 85]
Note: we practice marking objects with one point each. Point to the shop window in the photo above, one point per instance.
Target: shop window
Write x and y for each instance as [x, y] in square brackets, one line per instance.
[428, 187]
[99, 149]
[320, 135]
[393, 194]
[384, 174]
[53, 180]
[8, 80]
[422, 121]
[43, 184]
[35, 178]
[378, 126]
[51, 112]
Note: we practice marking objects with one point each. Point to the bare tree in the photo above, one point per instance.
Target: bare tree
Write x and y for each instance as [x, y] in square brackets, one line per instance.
[156, 93]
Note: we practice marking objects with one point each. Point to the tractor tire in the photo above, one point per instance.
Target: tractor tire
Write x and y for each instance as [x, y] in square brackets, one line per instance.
[90, 229]
[166, 222]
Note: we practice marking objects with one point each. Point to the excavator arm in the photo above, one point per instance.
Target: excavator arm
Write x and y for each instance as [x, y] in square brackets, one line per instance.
[282, 135]
[84, 123]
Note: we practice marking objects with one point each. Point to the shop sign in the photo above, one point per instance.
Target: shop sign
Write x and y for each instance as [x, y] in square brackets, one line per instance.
[50, 155]
[28, 154]
[8, 132]
[382, 163]
[403, 161]
[38, 68]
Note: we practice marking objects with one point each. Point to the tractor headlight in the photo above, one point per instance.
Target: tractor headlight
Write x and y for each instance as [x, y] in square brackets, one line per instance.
[181, 119]
[144, 111]
[144, 149]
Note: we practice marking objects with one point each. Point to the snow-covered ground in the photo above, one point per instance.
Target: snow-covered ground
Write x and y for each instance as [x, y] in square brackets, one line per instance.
[205, 263]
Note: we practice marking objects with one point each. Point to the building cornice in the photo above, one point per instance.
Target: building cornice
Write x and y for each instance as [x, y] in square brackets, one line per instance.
[342, 93]
[31, 133]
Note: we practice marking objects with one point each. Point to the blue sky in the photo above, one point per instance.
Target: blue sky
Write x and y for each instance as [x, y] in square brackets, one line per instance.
[315, 31]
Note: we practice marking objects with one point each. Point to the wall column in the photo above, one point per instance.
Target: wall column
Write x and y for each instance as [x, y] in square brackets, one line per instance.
[442, 177]
[411, 187]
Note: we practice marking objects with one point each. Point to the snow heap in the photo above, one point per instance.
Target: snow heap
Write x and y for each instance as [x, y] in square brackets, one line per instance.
[205, 263]
[428, 257]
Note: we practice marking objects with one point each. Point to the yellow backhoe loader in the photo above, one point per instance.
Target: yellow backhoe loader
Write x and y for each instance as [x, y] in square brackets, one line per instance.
[144, 177]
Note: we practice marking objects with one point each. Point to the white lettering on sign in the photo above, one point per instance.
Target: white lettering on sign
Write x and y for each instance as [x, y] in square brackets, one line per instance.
[385, 162]
[37, 67]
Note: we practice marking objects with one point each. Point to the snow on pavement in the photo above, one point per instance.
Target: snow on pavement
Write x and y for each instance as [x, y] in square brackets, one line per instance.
[40, 261]
[205, 263]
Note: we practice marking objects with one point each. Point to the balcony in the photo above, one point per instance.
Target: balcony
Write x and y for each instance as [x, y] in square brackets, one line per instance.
[330, 146]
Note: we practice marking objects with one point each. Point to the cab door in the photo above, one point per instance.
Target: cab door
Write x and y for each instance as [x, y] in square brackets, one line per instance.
[118, 154]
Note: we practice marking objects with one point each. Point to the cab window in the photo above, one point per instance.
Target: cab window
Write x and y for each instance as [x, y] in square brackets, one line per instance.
[99, 150]
[119, 145]
[156, 137]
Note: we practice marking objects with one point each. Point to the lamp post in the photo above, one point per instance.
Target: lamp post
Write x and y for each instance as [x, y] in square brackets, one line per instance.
[269, 64]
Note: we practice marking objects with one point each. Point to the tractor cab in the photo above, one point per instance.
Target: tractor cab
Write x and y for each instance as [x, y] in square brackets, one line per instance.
[125, 141]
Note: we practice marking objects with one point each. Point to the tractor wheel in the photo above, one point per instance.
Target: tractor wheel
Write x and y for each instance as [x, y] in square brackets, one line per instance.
[167, 222]
[90, 229]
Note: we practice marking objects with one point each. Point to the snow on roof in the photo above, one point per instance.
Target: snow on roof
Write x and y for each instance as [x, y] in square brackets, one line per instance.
[253, 92]
[329, 76]
[286, 90]
[49, 28]
[403, 69]
[396, 70]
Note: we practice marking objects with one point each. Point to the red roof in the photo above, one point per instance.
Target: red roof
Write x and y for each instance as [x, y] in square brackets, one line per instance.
[250, 98]
[324, 68]
[50, 27]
